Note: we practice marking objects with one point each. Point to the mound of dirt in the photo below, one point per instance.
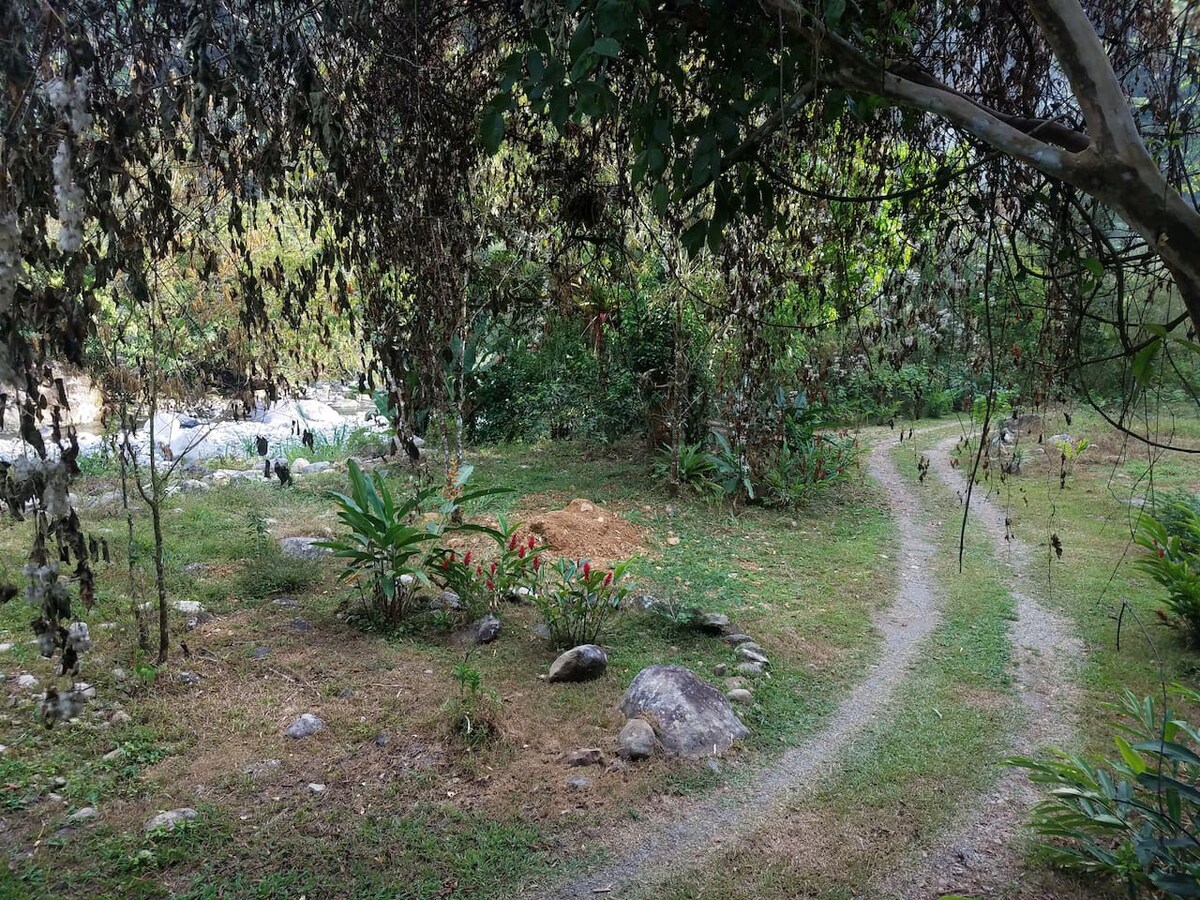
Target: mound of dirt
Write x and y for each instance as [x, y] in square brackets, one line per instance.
[585, 531]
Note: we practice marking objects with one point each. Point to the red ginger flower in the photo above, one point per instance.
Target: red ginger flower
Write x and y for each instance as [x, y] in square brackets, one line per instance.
[587, 569]
[608, 579]
[521, 553]
[537, 563]
[467, 559]
[532, 541]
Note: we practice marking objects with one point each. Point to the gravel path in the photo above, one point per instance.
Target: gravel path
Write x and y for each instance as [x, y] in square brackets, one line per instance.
[651, 854]
[980, 855]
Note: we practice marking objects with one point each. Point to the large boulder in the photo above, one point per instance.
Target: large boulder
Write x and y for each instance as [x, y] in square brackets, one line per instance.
[689, 716]
[582, 663]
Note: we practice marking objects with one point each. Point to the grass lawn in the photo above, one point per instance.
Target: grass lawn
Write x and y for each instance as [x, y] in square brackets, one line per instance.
[407, 805]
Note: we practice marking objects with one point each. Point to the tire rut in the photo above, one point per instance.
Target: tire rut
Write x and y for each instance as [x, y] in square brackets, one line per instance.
[651, 854]
[980, 854]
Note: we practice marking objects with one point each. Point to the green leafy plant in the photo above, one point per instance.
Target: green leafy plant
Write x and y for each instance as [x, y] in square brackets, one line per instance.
[1133, 818]
[696, 468]
[579, 602]
[383, 549]
[730, 470]
[391, 546]
[1174, 567]
[473, 715]
[1178, 511]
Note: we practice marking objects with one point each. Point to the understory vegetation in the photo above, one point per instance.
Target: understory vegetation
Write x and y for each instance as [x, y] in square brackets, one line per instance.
[600, 447]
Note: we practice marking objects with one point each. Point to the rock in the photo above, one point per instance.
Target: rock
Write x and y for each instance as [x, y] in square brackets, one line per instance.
[120, 717]
[299, 464]
[750, 645]
[751, 669]
[27, 681]
[189, 607]
[305, 726]
[582, 663]
[260, 652]
[381, 739]
[736, 639]
[741, 695]
[113, 755]
[318, 467]
[85, 690]
[171, 818]
[690, 716]
[447, 599]
[285, 601]
[636, 740]
[1056, 439]
[303, 547]
[196, 568]
[345, 693]
[189, 677]
[192, 486]
[749, 655]
[301, 626]
[316, 788]
[119, 674]
[586, 756]
[83, 815]
[486, 629]
[734, 682]
[5, 647]
[720, 670]
[579, 783]
[265, 767]
[714, 622]
[542, 630]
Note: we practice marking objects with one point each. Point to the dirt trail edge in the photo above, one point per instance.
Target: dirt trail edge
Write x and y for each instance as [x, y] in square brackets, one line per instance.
[980, 855]
[650, 855]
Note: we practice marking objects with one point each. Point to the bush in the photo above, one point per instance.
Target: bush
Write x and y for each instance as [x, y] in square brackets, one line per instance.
[1133, 819]
[1174, 567]
[579, 600]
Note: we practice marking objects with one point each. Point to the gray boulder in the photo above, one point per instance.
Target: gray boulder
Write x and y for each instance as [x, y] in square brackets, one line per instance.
[582, 663]
[486, 629]
[170, 818]
[689, 716]
[636, 740]
[305, 726]
[303, 548]
[714, 622]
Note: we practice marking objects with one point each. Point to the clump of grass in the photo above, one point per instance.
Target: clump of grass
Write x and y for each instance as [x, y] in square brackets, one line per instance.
[271, 574]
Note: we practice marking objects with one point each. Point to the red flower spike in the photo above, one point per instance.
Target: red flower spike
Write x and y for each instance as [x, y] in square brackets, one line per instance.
[512, 542]
[587, 569]
[521, 553]
[479, 570]
[454, 556]
[537, 563]
[493, 568]
[491, 586]
[446, 565]
[467, 559]
[608, 579]
[532, 541]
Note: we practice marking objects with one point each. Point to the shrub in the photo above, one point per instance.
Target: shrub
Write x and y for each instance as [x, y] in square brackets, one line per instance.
[1134, 818]
[696, 468]
[479, 582]
[578, 603]
[1174, 567]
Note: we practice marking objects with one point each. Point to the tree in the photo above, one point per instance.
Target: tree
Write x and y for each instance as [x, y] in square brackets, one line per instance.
[726, 100]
